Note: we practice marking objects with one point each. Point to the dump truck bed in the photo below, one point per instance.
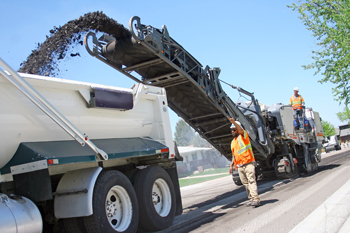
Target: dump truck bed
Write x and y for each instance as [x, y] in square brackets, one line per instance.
[125, 123]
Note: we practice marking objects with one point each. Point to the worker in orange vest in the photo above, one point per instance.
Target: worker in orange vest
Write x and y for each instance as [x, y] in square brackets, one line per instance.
[297, 101]
[244, 161]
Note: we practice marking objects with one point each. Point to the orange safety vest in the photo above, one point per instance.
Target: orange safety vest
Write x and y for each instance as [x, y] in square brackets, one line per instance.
[242, 151]
[296, 102]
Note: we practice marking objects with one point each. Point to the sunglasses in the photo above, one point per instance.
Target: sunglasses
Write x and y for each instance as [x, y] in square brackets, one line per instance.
[233, 130]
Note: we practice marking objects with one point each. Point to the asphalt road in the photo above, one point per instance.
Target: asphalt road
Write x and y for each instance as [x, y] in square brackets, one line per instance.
[319, 202]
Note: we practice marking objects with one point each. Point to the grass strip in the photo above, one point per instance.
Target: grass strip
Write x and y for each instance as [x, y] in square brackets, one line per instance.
[190, 181]
[212, 171]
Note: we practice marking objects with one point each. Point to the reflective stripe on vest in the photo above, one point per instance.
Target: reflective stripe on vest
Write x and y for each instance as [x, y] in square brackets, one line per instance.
[244, 149]
[244, 153]
[296, 102]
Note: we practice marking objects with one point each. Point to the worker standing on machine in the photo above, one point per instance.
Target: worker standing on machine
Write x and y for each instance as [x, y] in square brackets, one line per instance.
[297, 101]
[244, 161]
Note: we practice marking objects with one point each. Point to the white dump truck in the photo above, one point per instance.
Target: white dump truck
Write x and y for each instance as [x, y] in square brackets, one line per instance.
[83, 157]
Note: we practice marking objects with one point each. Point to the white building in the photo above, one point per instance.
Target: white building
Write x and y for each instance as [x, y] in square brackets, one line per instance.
[199, 158]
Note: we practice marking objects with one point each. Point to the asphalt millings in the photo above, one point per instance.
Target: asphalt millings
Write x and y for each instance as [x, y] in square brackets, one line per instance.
[44, 59]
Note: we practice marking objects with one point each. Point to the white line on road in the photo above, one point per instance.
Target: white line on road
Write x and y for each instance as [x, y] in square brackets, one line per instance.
[331, 216]
[255, 224]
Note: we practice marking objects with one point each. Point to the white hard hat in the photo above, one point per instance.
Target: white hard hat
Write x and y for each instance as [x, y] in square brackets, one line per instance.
[296, 89]
[238, 123]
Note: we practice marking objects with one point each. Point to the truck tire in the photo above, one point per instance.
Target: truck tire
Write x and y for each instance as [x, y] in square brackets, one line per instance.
[314, 166]
[235, 178]
[156, 198]
[308, 164]
[115, 207]
[238, 182]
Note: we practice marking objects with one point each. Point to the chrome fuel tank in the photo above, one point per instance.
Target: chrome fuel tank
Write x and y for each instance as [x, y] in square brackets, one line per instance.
[19, 214]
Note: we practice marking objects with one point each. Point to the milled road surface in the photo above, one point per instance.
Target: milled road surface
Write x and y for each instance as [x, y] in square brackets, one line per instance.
[314, 203]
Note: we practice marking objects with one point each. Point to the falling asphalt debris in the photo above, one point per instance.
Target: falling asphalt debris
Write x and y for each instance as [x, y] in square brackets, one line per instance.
[44, 59]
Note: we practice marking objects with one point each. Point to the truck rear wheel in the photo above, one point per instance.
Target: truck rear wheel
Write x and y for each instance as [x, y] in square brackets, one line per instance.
[308, 168]
[235, 178]
[238, 182]
[308, 165]
[115, 207]
[156, 198]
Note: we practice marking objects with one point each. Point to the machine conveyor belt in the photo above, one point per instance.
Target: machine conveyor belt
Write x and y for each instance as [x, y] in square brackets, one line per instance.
[194, 93]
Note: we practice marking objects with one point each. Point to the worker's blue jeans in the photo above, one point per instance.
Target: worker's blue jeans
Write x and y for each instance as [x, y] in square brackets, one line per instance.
[299, 117]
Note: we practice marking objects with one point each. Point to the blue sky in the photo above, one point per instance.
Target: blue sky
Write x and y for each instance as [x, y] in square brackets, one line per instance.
[259, 45]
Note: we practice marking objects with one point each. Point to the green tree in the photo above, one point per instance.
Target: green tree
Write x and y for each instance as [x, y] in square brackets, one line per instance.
[345, 115]
[183, 133]
[328, 128]
[329, 21]
[185, 136]
[198, 141]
